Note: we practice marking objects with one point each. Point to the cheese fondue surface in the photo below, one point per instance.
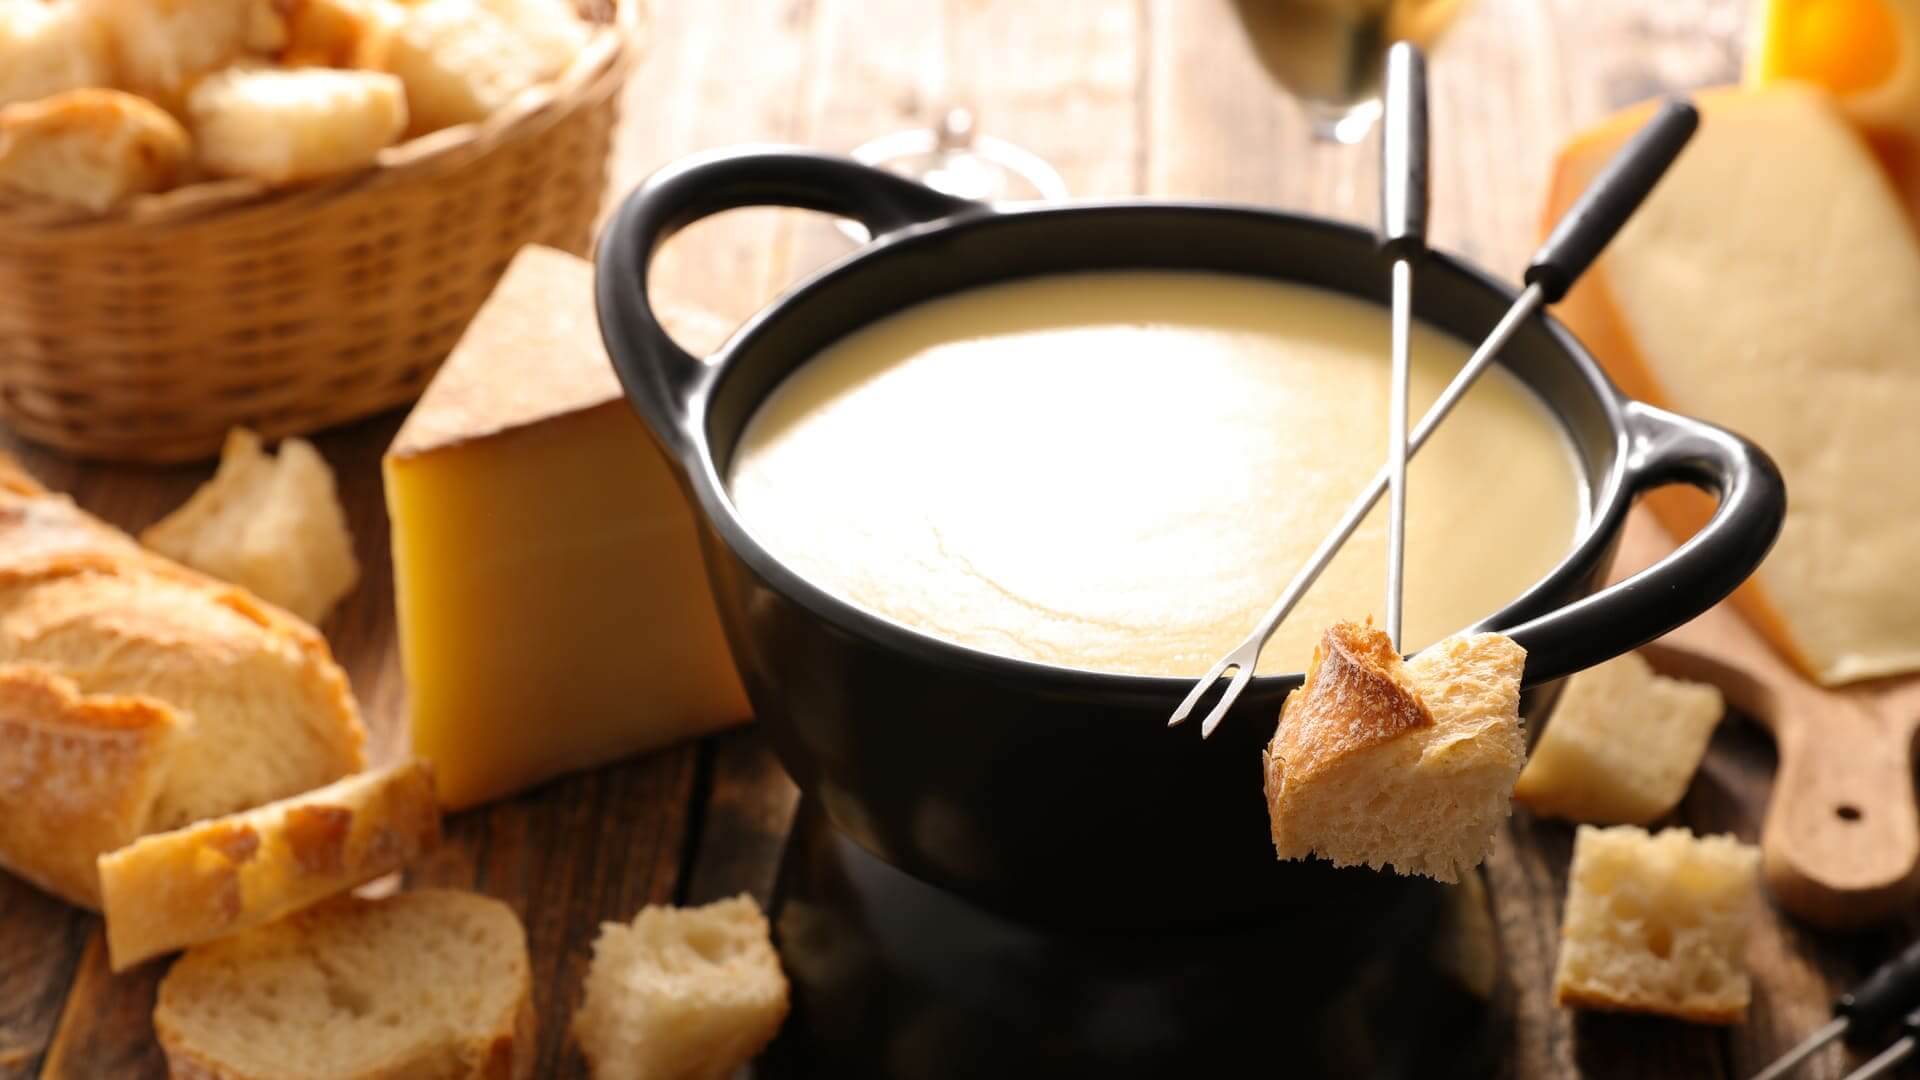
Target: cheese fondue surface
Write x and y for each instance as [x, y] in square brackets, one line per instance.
[1120, 471]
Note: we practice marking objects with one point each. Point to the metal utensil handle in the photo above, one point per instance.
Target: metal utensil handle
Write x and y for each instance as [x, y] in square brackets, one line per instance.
[1403, 155]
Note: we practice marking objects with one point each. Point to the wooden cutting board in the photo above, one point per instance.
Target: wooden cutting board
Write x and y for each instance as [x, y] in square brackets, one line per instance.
[1841, 840]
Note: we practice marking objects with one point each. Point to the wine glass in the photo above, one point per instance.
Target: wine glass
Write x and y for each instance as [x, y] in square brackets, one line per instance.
[1329, 53]
[953, 157]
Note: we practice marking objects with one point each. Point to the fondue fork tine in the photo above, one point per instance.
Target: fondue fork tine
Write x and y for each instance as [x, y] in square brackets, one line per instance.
[1592, 221]
[1403, 235]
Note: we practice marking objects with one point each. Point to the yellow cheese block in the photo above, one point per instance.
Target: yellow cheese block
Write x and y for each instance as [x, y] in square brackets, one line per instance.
[1771, 284]
[553, 608]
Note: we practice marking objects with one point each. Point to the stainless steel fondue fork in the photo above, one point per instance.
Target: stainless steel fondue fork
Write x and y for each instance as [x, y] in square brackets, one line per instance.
[1578, 238]
[1403, 238]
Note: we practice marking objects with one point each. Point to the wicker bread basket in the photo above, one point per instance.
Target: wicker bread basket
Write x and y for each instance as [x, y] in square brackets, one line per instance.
[147, 334]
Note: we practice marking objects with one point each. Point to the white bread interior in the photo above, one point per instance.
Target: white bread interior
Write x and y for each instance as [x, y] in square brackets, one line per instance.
[1401, 765]
[90, 148]
[282, 126]
[462, 60]
[1622, 745]
[48, 48]
[167, 891]
[426, 984]
[271, 524]
[1658, 924]
[681, 993]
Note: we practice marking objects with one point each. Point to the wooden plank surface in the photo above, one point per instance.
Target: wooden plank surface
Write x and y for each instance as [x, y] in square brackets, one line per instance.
[1123, 96]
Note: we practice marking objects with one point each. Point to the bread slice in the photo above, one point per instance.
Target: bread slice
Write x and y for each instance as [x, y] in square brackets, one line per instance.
[281, 127]
[433, 985]
[103, 639]
[160, 47]
[90, 148]
[1658, 924]
[49, 48]
[171, 890]
[270, 524]
[78, 775]
[1383, 763]
[1622, 747]
[682, 993]
[463, 59]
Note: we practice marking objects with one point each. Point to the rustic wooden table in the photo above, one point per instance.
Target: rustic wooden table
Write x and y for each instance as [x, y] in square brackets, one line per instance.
[1160, 97]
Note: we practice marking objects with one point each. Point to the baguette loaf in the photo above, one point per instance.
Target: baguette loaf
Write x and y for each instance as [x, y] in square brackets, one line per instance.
[1392, 764]
[1658, 924]
[682, 993]
[270, 524]
[427, 985]
[171, 890]
[144, 696]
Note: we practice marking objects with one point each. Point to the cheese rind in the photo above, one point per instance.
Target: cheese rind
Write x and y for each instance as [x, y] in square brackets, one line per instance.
[1771, 284]
[553, 605]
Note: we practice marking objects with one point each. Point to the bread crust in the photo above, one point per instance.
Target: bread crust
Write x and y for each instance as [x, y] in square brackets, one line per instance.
[1571, 997]
[172, 890]
[1356, 695]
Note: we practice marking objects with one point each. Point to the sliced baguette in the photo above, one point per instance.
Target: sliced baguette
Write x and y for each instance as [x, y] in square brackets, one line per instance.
[682, 993]
[171, 890]
[104, 640]
[427, 985]
[271, 524]
[1382, 763]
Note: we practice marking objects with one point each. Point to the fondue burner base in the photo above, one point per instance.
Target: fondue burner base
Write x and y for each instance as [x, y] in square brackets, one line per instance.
[895, 978]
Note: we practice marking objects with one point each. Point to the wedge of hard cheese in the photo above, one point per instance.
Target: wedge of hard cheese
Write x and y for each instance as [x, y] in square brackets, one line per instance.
[553, 607]
[1771, 284]
[171, 890]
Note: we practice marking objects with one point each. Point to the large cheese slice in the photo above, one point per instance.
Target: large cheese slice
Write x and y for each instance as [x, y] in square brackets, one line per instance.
[553, 609]
[1771, 284]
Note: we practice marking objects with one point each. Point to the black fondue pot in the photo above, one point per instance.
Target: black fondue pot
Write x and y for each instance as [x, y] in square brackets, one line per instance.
[1058, 796]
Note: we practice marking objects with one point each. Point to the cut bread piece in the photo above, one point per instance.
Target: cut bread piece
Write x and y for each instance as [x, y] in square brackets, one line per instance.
[160, 47]
[434, 984]
[339, 33]
[90, 148]
[1408, 765]
[1658, 924]
[1776, 332]
[78, 775]
[49, 48]
[271, 524]
[682, 993]
[281, 127]
[257, 708]
[171, 890]
[463, 59]
[1622, 746]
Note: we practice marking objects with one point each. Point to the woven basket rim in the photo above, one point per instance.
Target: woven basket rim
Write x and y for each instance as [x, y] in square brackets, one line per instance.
[600, 68]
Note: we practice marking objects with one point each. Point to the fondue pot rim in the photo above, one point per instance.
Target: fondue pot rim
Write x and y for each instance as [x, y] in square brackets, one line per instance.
[903, 216]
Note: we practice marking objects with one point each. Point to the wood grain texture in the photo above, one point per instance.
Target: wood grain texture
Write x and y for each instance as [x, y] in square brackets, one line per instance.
[1153, 96]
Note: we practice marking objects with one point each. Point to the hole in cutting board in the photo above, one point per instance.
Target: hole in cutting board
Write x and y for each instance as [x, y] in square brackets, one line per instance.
[1847, 812]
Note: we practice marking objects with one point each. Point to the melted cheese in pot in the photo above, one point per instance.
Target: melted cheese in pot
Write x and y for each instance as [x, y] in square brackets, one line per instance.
[1120, 471]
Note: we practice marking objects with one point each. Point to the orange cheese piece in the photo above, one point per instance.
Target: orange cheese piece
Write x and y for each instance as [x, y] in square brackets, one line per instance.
[553, 607]
[1771, 284]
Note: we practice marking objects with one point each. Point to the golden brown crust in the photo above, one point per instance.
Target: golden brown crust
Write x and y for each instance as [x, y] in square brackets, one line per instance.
[78, 774]
[177, 889]
[1357, 694]
[1574, 997]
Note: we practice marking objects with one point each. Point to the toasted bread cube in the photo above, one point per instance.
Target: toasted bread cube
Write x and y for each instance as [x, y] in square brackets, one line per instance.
[682, 994]
[161, 47]
[1658, 924]
[339, 33]
[271, 524]
[461, 60]
[48, 48]
[282, 127]
[1622, 747]
[171, 890]
[1408, 765]
[90, 148]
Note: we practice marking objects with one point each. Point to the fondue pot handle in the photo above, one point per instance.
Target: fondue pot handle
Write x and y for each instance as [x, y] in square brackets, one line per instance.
[660, 377]
[1663, 448]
